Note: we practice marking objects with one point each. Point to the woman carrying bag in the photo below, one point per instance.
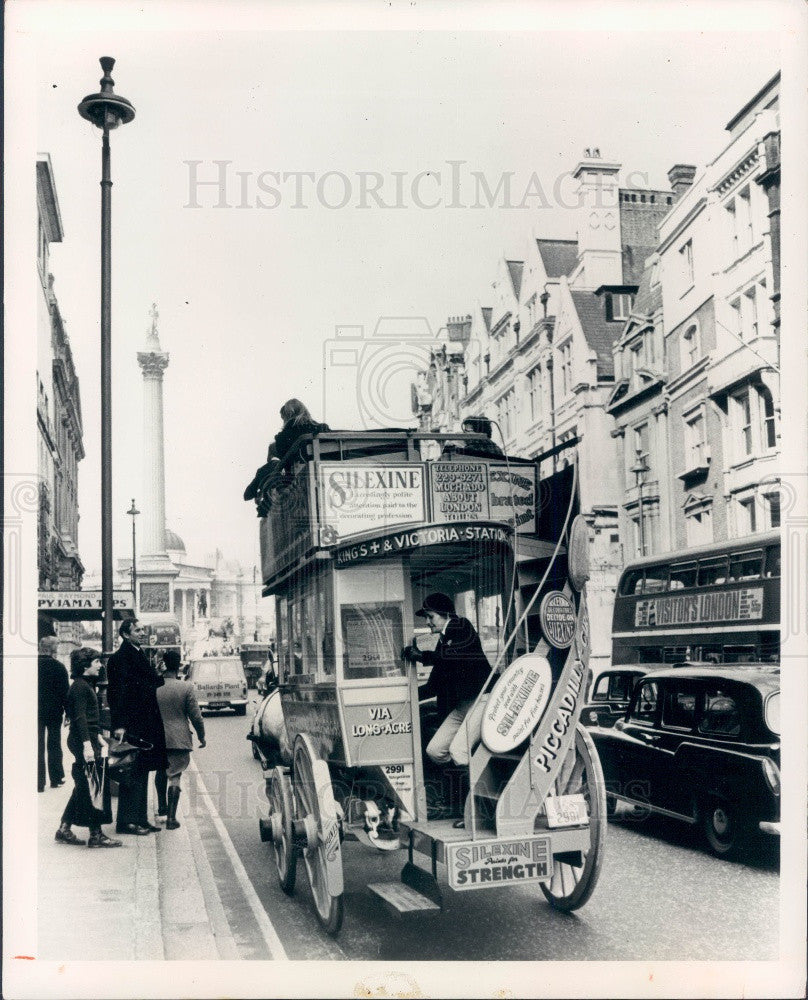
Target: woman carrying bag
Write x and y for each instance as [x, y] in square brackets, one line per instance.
[89, 748]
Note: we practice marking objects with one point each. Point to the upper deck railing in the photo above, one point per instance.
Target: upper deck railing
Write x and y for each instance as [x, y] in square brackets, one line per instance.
[343, 486]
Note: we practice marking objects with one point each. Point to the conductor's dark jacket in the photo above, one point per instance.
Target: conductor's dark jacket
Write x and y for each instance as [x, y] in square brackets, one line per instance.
[132, 697]
[459, 666]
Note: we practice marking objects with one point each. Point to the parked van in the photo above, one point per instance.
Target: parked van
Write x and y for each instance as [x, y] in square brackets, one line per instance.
[220, 683]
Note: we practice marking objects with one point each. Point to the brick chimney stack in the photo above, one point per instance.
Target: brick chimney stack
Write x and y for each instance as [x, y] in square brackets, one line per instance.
[681, 177]
[459, 329]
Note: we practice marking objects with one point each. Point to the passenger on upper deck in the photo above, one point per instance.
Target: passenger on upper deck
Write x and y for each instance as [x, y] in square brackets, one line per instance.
[459, 671]
[478, 425]
[297, 421]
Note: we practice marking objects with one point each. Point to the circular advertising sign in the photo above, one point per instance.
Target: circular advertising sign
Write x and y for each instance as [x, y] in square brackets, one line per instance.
[516, 704]
[557, 619]
[578, 553]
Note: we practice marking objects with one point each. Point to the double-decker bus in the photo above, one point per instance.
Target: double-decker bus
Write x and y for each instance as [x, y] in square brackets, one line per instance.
[715, 603]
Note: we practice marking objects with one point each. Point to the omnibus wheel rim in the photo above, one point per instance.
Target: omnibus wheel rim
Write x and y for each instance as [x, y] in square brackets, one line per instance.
[310, 801]
[283, 846]
[571, 887]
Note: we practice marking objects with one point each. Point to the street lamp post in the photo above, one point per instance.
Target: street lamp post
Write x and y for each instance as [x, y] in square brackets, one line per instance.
[106, 110]
[133, 513]
[640, 468]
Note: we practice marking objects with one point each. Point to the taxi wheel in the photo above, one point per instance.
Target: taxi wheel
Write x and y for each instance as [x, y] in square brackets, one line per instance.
[571, 887]
[281, 810]
[323, 856]
[721, 826]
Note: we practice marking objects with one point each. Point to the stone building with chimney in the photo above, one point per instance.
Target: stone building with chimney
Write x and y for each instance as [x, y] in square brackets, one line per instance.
[539, 361]
[720, 282]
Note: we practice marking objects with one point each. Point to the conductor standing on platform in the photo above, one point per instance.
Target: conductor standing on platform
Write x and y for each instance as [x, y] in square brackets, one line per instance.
[459, 671]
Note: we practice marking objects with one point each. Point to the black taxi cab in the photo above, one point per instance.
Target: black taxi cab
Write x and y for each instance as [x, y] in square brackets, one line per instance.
[700, 744]
[609, 695]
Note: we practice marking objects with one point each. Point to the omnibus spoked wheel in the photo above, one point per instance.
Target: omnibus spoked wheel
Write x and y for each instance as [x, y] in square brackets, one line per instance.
[281, 815]
[570, 886]
[319, 823]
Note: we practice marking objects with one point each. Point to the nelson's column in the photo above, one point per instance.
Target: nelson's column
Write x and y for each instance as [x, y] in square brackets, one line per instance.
[155, 571]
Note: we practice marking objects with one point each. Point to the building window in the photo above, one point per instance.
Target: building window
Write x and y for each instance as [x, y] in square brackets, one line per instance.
[750, 314]
[768, 426]
[699, 526]
[771, 506]
[637, 355]
[742, 406]
[747, 517]
[565, 458]
[744, 218]
[696, 440]
[534, 393]
[686, 258]
[619, 305]
[739, 217]
[691, 347]
[641, 449]
[744, 315]
[506, 414]
[566, 368]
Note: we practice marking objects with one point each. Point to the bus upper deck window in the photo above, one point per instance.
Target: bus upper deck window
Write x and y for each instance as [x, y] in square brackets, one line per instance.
[656, 579]
[745, 565]
[683, 576]
[632, 583]
[773, 561]
[712, 571]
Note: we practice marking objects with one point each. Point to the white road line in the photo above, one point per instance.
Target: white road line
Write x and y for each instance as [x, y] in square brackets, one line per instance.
[273, 942]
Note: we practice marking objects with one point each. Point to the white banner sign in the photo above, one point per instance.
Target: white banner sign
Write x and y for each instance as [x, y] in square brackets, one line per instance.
[512, 495]
[357, 498]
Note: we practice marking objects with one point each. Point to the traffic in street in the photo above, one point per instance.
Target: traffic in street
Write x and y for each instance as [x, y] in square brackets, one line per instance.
[661, 895]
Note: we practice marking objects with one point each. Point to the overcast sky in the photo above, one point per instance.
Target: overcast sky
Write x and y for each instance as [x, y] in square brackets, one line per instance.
[248, 295]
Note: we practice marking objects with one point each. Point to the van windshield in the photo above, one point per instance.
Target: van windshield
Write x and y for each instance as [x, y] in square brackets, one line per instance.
[213, 670]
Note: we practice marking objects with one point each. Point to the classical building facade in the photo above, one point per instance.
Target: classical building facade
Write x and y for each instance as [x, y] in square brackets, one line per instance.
[60, 445]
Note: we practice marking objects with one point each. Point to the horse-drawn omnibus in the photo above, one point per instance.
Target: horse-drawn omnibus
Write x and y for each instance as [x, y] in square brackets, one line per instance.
[359, 529]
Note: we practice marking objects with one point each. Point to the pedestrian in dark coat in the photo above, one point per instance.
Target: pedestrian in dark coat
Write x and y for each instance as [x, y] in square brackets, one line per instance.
[53, 686]
[178, 707]
[131, 693]
[88, 746]
[460, 668]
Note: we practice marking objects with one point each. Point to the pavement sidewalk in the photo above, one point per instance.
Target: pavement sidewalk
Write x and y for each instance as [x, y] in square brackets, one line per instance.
[153, 898]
